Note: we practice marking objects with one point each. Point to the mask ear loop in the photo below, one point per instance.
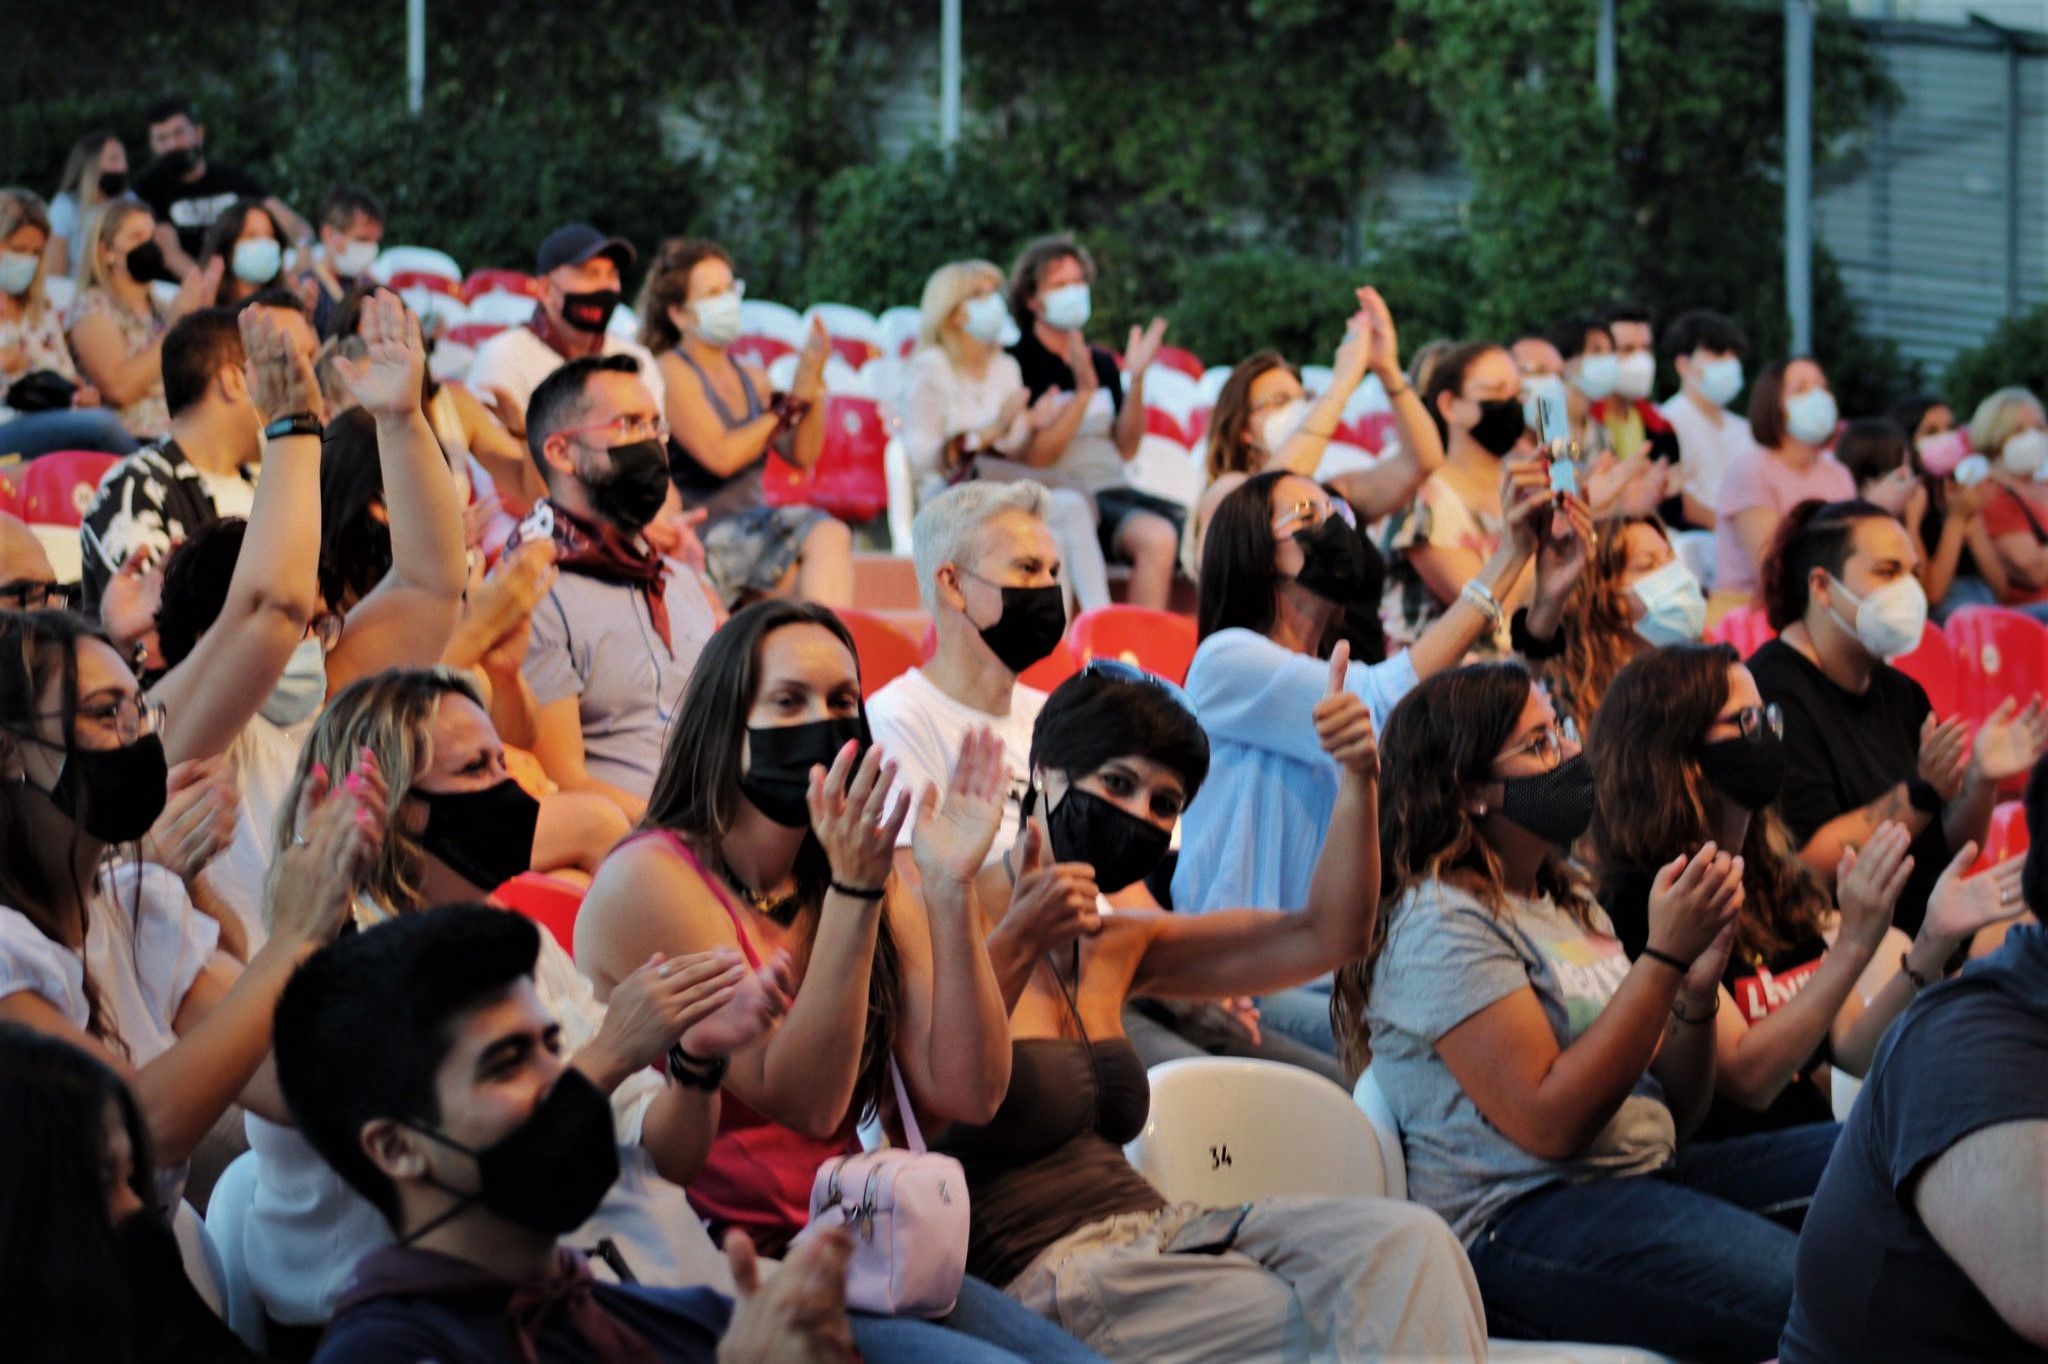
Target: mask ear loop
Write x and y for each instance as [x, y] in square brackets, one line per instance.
[463, 1201]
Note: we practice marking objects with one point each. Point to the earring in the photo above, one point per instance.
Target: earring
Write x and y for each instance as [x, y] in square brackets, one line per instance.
[1479, 812]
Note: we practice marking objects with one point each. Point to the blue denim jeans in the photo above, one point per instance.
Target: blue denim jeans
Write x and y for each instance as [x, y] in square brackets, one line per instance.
[1302, 1014]
[78, 428]
[986, 1327]
[1694, 1261]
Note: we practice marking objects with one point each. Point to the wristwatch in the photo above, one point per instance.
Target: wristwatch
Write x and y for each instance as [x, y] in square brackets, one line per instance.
[694, 1072]
[294, 424]
[1920, 793]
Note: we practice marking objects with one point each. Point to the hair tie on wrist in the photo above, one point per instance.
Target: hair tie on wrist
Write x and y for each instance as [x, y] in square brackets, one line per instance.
[1682, 967]
[855, 892]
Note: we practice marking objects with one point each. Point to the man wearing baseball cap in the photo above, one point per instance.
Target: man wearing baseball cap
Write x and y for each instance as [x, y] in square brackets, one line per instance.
[581, 272]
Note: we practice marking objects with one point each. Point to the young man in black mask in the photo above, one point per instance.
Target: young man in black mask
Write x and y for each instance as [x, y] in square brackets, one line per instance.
[617, 635]
[187, 190]
[582, 274]
[418, 1059]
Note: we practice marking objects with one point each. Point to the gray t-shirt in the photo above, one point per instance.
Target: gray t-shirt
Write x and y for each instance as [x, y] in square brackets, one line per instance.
[596, 641]
[1448, 957]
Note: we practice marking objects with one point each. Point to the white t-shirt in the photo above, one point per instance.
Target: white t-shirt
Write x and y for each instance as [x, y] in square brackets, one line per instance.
[941, 402]
[265, 758]
[307, 1228]
[232, 494]
[516, 360]
[922, 728]
[1704, 450]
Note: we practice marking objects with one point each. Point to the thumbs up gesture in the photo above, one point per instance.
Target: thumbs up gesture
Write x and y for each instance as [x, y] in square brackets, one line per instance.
[1344, 724]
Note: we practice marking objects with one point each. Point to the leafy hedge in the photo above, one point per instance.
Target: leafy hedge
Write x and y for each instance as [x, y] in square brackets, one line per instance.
[2016, 353]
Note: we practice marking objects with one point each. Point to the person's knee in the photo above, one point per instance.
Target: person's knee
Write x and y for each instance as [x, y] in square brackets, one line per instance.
[829, 538]
[1149, 539]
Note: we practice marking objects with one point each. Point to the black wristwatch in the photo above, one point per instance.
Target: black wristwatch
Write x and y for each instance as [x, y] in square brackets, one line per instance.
[294, 424]
[1922, 796]
[689, 1070]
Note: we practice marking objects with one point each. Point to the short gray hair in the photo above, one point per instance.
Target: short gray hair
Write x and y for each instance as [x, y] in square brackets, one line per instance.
[948, 529]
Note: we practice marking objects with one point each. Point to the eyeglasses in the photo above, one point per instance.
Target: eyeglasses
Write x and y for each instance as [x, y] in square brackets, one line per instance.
[1753, 720]
[1116, 670]
[1548, 745]
[129, 716]
[31, 594]
[326, 627]
[1274, 401]
[1314, 511]
[623, 428]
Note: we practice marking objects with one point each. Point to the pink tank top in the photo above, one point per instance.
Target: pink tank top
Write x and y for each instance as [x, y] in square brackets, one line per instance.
[758, 1174]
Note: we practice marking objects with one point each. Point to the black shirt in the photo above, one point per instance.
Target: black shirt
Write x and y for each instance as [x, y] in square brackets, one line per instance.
[1758, 988]
[1871, 1282]
[1843, 751]
[1044, 370]
[191, 206]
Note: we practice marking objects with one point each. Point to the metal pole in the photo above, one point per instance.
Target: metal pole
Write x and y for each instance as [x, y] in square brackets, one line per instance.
[1799, 171]
[949, 73]
[415, 55]
[1603, 57]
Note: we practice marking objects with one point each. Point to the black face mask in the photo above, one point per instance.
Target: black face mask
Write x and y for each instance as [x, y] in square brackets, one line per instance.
[1501, 424]
[180, 162]
[549, 1173]
[485, 837]
[114, 794]
[146, 265]
[1556, 806]
[780, 759]
[112, 183]
[589, 312]
[632, 491]
[1333, 564]
[1748, 771]
[1033, 621]
[1120, 847]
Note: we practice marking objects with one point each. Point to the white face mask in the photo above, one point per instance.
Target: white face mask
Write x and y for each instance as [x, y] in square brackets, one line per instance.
[1719, 380]
[2026, 454]
[256, 260]
[1066, 308]
[1281, 423]
[1674, 607]
[1634, 373]
[718, 317]
[1889, 621]
[17, 271]
[986, 317]
[355, 259]
[1597, 375]
[302, 688]
[1811, 416]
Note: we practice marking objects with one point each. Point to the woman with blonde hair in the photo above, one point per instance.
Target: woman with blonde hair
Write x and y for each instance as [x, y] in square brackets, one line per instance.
[966, 413]
[2010, 429]
[43, 406]
[96, 172]
[117, 324]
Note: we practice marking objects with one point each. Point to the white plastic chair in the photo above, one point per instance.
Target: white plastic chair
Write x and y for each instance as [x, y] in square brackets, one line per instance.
[782, 372]
[902, 483]
[1211, 383]
[1162, 469]
[434, 308]
[1369, 397]
[1224, 1130]
[1318, 379]
[425, 259]
[899, 326]
[1172, 392]
[1842, 1091]
[450, 362]
[502, 308]
[844, 322]
[1386, 1136]
[841, 377]
[227, 1213]
[777, 321]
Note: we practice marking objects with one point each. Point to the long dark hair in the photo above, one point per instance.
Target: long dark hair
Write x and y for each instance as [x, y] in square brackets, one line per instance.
[697, 794]
[1239, 583]
[36, 648]
[1440, 741]
[1449, 377]
[220, 241]
[1652, 803]
[66, 1280]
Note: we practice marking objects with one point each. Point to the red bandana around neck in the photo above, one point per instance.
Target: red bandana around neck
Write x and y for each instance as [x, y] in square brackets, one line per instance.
[597, 549]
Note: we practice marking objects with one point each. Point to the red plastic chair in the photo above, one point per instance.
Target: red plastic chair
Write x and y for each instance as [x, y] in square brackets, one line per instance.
[549, 902]
[1158, 641]
[1196, 425]
[2008, 836]
[1044, 675]
[10, 487]
[850, 480]
[421, 279]
[1186, 361]
[1933, 666]
[885, 652]
[1999, 654]
[56, 488]
[1745, 627]
[1159, 422]
[855, 353]
[762, 350]
[473, 334]
[509, 281]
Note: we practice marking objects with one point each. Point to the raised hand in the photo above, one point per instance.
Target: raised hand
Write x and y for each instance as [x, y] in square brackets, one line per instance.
[1961, 904]
[337, 837]
[1343, 723]
[198, 818]
[200, 288]
[1354, 354]
[1525, 499]
[810, 363]
[2011, 739]
[281, 380]
[507, 410]
[1386, 346]
[1050, 404]
[760, 1001]
[1868, 882]
[651, 1009]
[673, 533]
[1567, 543]
[854, 821]
[799, 1315]
[1945, 751]
[1051, 903]
[951, 842]
[1703, 981]
[1692, 900]
[1142, 347]
[128, 605]
[389, 379]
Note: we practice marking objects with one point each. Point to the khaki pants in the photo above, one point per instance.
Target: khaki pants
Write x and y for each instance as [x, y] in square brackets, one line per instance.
[1307, 1278]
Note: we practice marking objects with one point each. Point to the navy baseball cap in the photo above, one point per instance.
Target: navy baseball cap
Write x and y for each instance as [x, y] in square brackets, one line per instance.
[579, 242]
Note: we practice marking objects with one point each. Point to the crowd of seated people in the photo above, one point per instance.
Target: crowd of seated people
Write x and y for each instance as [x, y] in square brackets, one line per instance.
[463, 801]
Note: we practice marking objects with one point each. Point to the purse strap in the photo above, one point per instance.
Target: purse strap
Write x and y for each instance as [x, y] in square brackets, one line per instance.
[904, 1110]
